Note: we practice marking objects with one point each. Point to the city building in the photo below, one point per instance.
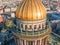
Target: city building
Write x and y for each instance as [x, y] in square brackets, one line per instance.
[7, 9]
[13, 15]
[1, 21]
[0, 3]
[13, 8]
[1, 10]
[58, 9]
[32, 26]
[5, 36]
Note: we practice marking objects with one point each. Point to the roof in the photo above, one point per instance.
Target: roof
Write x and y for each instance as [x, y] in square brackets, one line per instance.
[31, 10]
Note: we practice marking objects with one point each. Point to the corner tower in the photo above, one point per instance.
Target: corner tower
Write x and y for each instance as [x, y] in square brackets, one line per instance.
[33, 28]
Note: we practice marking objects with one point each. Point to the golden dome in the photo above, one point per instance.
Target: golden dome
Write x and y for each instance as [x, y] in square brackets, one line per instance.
[31, 10]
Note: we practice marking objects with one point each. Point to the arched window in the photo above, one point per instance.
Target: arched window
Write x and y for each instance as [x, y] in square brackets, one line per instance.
[30, 27]
[39, 26]
[25, 26]
[34, 26]
[21, 25]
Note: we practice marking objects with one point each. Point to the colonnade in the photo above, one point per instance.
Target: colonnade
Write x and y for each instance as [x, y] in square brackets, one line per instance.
[43, 41]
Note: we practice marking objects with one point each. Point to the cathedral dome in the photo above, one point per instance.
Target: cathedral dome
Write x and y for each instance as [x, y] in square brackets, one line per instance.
[31, 10]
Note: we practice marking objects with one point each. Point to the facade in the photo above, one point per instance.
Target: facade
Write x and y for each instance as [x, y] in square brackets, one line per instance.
[13, 15]
[1, 21]
[1, 10]
[7, 9]
[32, 25]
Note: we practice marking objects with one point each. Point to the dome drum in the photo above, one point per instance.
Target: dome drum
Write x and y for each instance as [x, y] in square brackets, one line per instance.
[31, 25]
[32, 32]
[32, 37]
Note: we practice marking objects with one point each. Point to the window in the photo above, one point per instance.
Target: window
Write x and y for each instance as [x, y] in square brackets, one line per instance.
[43, 26]
[39, 26]
[25, 26]
[21, 25]
[30, 27]
[34, 26]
